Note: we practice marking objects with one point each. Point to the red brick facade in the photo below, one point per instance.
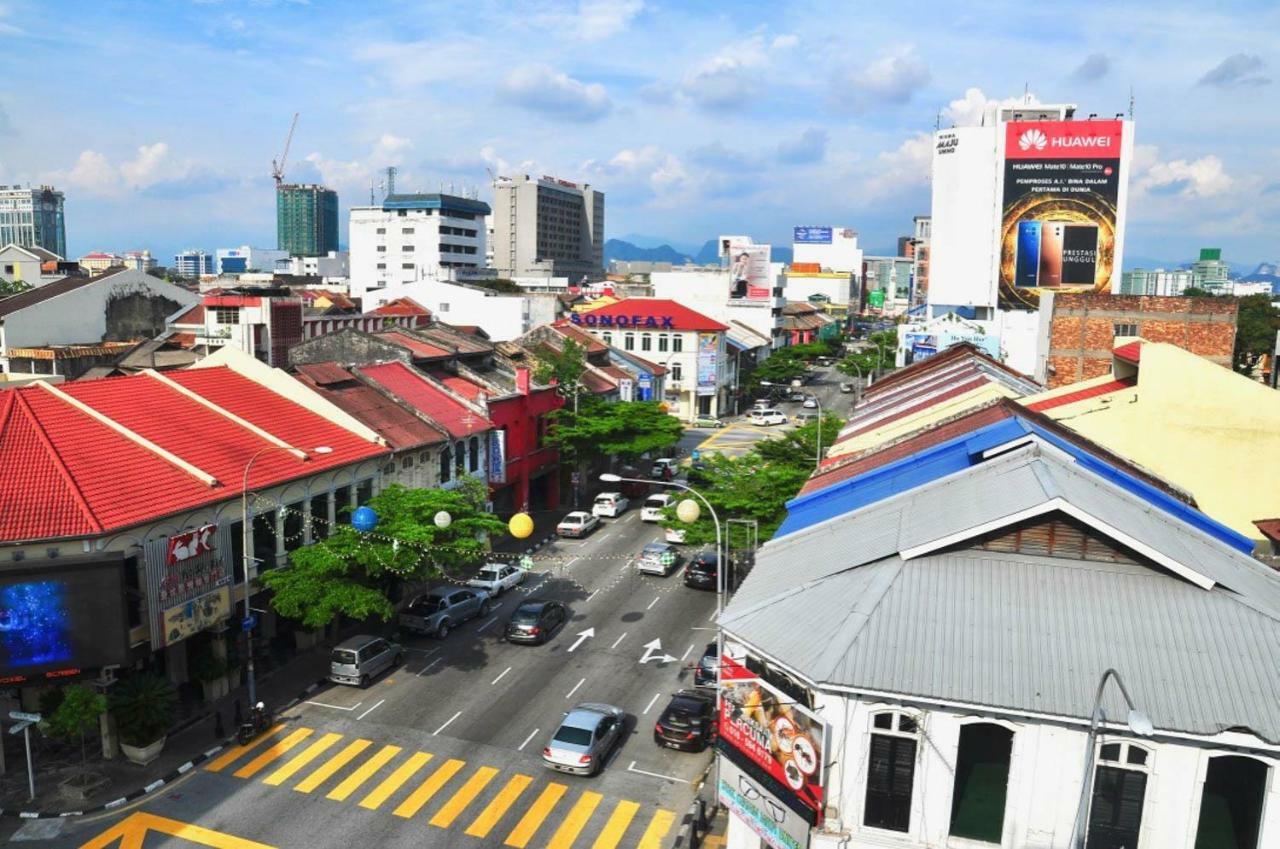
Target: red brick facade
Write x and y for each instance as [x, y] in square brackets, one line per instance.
[1084, 327]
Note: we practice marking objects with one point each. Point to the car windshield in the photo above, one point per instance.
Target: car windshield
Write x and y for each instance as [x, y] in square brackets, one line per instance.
[573, 736]
[656, 501]
[573, 520]
[489, 574]
[526, 615]
[604, 502]
[427, 604]
[343, 656]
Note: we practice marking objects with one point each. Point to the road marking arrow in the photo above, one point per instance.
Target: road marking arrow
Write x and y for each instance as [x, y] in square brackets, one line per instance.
[582, 636]
[132, 830]
[652, 651]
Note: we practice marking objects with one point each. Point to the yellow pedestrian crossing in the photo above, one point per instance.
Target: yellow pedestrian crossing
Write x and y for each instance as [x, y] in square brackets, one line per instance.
[483, 824]
[542, 820]
[393, 781]
[458, 803]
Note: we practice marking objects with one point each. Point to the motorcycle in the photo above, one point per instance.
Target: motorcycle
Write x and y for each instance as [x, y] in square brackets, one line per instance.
[257, 723]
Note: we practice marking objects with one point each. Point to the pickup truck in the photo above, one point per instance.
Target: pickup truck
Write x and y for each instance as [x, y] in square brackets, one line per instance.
[438, 611]
[497, 578]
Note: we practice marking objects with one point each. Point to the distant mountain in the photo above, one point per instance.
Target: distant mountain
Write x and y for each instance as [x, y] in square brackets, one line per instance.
[628, 252]
[1266, 272]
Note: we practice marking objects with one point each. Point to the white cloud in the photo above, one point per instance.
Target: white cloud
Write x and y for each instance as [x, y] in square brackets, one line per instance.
[540, 88]
[92, 172]
[894, 77]
[902, 168]
[95, 173]
[355, 175]
[599, 19]
[7, 28]
[785, 41]
[968, 111]
[1198, 178]
[729, 78]
[149, 166]
[660, 171]
[811, 146]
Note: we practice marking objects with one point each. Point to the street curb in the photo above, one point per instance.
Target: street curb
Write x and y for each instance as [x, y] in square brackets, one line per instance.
[159, 783]
[549, 538]
[689, 822]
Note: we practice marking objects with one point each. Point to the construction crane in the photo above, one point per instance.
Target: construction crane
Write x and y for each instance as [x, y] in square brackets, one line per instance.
[277, 167]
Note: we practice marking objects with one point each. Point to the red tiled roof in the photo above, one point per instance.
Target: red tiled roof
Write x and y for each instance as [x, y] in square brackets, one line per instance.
[1081, 394]
[616, 373]
[591, 344]
[461, 385]
[1132, 352]
[415, 345]
[596, 383]
[402, 306]
[195, 315]
[682, 318]
[399, 426]
[415, 390]
[63, 473]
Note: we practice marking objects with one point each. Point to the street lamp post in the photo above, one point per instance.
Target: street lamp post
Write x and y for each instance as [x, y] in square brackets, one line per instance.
[248, 556]
[1138, 723]
[797, 384]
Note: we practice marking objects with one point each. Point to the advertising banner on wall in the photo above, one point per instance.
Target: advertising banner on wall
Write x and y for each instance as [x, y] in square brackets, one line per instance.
[646, 386]
[751, 801]
[1059, 224]
[56, 622]
[497, 456]
[187, 580]
[750, 274]
[772, 731]
[811, 235]
[708, 351]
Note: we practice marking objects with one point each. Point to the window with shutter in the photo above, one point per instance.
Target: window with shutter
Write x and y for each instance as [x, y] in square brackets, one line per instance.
[890, 776]
[1115, 817]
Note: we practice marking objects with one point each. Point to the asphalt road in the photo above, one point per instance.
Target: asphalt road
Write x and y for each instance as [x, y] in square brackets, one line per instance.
[447, 747]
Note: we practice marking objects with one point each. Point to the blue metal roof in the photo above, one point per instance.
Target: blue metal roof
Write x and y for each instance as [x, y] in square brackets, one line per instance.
[965, 451]
[448, 203]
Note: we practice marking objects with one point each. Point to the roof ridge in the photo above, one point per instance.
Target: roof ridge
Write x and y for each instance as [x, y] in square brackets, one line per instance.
[224, 412]
[882, 583]
[69, 479]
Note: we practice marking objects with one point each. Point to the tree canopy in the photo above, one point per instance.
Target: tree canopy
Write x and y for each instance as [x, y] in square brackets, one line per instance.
[359, 575]
[879, 356]
[623, 429]
[565, 366]
[1256, 324]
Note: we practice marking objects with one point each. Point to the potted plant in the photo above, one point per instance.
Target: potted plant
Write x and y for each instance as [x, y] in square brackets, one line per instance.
[211, 671]
[143, 708]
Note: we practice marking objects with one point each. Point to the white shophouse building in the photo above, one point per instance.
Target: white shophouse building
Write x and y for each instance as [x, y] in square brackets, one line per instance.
[415, 237]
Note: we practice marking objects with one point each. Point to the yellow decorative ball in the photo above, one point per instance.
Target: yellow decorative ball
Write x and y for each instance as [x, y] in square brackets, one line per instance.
[688, 511]
[521, 526]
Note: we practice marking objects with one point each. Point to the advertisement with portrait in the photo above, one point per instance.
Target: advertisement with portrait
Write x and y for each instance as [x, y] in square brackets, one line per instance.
[751, 799]
[750, 274]
[56, 622]
[774, 732]
[708, 354]
[187, 581]
[1060, 211]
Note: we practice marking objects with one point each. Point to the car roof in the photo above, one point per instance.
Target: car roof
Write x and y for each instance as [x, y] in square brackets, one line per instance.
[608, 495]
[535, 604]
[690, 696]
[585, 716]
[357, 642]
[657, 546]
[577, 514]
[439, 592]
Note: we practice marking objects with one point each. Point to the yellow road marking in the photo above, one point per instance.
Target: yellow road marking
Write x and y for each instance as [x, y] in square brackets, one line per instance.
[617, 825]
[459, 801]
[308, 755]
[429, 788]
[226, 759]
[133, 829]
[505, 799]
[326, 770]
[524, 830]
[273, 753]
[393, 781]
[353, 781]
[658, 828]
[574, 822]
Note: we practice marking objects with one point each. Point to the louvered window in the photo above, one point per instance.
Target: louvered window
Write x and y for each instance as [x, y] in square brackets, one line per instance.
[1057, 536]
[891, 773]
[1119, 790]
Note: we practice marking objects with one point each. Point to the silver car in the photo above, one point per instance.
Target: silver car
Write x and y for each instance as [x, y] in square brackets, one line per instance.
[584, 739]
[360, 659]
[443, 608]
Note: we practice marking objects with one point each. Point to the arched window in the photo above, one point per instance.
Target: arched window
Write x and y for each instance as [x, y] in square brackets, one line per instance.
[460, 458]
[446, 464]
[1231, 803]
[474, 448]
[1119, 791]
[981, 781]
[891, 770]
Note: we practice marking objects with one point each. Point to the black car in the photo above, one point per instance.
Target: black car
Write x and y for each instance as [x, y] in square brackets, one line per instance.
[701, 573]
[688, 722]
[708, 665]
[535, 620]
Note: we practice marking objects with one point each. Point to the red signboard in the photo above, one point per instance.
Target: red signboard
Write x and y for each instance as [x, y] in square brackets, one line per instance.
[184, 546]
[783, 738]
[1062, 139]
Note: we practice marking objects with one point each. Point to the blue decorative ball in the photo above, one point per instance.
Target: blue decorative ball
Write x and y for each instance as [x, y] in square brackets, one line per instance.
[364, 519]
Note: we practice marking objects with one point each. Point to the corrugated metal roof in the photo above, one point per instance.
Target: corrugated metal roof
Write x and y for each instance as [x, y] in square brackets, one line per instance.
[1020, 632]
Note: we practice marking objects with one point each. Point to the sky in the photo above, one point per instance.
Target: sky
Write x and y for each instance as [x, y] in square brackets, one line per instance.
[160, 120]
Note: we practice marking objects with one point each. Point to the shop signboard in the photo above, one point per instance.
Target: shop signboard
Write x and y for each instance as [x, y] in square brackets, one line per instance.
[784, 739]
[1059, 227]
[646, 386]
[811, 235]
[497, 456]
[626, 389]
[708, 351]
[751, 801]
[188, 574]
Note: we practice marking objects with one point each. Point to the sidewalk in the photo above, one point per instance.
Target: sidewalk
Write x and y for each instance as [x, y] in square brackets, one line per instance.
[185, 747]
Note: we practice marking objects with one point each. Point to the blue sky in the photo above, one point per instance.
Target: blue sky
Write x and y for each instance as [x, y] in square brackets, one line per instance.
[160, 119]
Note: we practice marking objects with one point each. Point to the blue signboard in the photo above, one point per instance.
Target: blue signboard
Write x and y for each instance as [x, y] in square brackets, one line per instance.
[646, 386]
[812, 235]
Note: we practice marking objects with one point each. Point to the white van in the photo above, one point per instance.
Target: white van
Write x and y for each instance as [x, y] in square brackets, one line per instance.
[610, 505]
[653, 507]
[764, 418]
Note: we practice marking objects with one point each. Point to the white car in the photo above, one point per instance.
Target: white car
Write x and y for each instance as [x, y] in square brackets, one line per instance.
[497, 578]
[675, 535]
[664, 469]
[764, 418]
[810, 403]
[653, 507]
[577, 524]
[610, 505]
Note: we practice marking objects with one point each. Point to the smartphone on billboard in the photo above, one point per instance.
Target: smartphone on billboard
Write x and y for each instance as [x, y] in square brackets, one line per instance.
[1027, 264]
[1051, 233]
[1080, 255]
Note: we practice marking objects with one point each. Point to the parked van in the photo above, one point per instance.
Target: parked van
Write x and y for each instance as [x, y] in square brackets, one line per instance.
[610, 505]
[360, 659]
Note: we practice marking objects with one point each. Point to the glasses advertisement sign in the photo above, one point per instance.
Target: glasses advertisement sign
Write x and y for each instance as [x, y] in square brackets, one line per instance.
[1059, 228]
[763, 812]
[772, 731]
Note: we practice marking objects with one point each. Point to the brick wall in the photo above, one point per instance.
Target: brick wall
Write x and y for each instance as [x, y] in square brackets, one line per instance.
[1083, 326]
